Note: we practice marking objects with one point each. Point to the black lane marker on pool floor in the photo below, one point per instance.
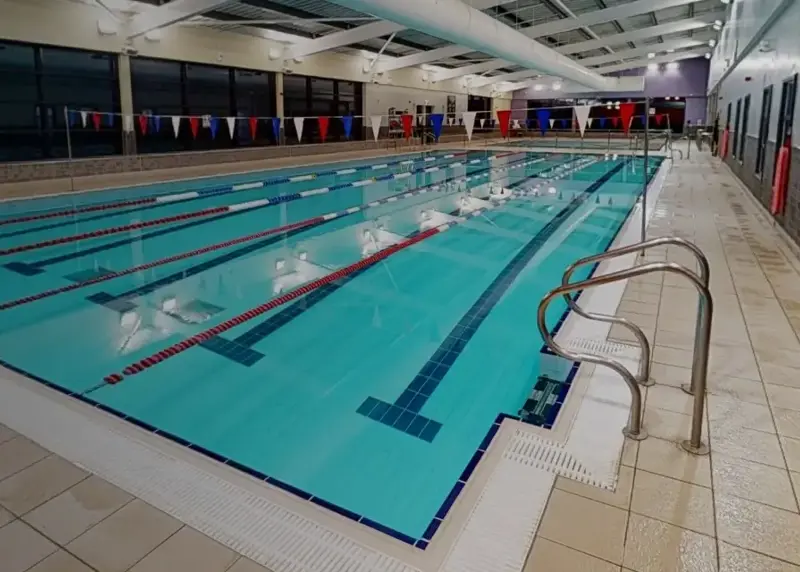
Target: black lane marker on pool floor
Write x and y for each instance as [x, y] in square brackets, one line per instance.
[240, 348]
[404, 414]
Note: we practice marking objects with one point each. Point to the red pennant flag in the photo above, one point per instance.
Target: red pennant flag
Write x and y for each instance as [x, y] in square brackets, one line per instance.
[615, 121]
[253, 127]
[660, 119]
[96, 121]
[194, 124]
[407, 119]
[323, 127]
[626, 112]
[504, 116]
[143, 124]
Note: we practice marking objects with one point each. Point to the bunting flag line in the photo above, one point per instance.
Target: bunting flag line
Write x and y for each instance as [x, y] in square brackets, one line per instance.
[276, 128]
[347, 123]
[468, 118]
[375, 122]
[194, 125]
[253, 122]
[231, 121]
[543, 118]
[615, 121]
[83, 118]
[96, 121]
[143, 124]
[298, 127]
[213, 125]
[451, 120]
[626, 112]
[589, 121]
[437, 120]
[156, 123]
[602, 122]
[176, 126]
[515, 124]
[73, 118]
[564, 123]
[552, 122]
[407, 120]
[109, 119]
[482, 121]
[504, 117]
[323, 127]
[659, 119]
[582, 116]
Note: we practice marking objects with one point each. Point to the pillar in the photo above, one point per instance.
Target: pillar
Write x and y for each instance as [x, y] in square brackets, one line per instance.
[126, 105]
[279, 100]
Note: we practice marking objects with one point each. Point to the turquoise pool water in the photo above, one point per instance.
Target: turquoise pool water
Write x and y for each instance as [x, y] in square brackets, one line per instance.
[369, 394]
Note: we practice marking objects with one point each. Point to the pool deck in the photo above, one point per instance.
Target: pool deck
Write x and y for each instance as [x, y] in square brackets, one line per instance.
[734, 511]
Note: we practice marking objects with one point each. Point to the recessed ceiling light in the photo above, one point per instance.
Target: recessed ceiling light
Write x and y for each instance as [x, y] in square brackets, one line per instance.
[672, 65]
[708, 56]
[652, 67]
[651, 55]
[556, 86]
[538, 87]
[712, 42]
[718, 22]
[669, 51]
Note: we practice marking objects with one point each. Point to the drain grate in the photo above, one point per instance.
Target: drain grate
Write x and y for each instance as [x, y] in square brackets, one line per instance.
[533, 451]
[603, 347]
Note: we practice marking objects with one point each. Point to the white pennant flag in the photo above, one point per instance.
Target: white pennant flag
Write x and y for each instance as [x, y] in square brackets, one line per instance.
[482, 120]
[582, 114]
[589, 121]
[468, 117]
[231, 125]
[298, 126]
[176, 125]
[127, 123]
[84, 114]
[515, 124]
[451, 120]
[552, 121]
[375, 121]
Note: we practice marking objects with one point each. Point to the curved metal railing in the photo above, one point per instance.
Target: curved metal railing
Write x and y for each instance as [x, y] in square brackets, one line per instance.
[643, 376]
[634, 429]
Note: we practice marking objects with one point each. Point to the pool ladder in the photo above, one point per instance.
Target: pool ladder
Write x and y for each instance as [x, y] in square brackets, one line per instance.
[697, 388]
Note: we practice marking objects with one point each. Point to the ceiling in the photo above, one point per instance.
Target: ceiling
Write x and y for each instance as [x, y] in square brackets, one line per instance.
[302, 18]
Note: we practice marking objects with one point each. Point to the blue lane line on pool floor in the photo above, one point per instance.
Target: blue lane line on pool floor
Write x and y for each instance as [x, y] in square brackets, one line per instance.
[404, 414]
[34, 268]
[240, 348]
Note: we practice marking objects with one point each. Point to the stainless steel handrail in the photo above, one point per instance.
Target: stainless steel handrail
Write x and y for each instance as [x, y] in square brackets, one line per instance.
[634, 429]
[643, 376]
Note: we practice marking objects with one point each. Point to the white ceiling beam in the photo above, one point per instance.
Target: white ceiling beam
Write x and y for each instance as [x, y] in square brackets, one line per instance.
[158, 17]
[618, 12]
[362, 34]
[513, 76]
[473, 69]
[640, 34]
[420, 58]
[644, 62]
[343, 38]
[680, 44]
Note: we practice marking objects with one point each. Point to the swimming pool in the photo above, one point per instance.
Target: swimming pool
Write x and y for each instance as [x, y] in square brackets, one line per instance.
[359, 357]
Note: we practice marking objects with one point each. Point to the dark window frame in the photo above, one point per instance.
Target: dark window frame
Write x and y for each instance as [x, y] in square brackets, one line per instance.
[763, 129]
[743, 135]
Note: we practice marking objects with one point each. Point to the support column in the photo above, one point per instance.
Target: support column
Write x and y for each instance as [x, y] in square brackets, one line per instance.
[126, 104]
[279, 101]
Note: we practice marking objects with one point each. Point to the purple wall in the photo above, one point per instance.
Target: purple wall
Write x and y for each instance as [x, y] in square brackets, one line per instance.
[688, 81]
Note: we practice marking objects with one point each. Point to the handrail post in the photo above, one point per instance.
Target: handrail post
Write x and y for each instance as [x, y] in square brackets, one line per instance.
[702, 344]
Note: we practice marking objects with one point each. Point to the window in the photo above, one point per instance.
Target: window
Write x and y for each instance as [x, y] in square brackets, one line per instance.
[743, 136]
[735, 147]
[763, 129]
[728, 117]
[166, 88]
[312, 97]
[38, 84]
[785, 117]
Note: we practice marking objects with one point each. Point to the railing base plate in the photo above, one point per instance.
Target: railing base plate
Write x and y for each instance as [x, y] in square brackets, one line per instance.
[647, 382]
[687, 388]
[640, 436]
[701, 450]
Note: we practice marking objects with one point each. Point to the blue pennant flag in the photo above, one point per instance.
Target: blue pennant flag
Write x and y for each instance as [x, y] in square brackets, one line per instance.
[543, 117]
[156, 123]
[109, 119]
[213, 124]
[276, 128]
[73, 118]
[564, 123]
[347, 122]
[437, 119]
[602, 122]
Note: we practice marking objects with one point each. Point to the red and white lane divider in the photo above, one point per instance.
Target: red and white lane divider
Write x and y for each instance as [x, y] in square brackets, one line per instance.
[158, 357]
[210, 212]
[250, 237]
[213, 191]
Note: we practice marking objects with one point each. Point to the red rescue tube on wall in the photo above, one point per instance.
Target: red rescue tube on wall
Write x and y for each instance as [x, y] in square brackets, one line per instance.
[780, 182]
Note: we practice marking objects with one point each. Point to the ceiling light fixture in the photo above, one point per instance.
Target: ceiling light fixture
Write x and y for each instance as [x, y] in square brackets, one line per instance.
[712, 42]
[672, 66]
[556, 86]
[652, 67]
[708, 56]
[651, 55]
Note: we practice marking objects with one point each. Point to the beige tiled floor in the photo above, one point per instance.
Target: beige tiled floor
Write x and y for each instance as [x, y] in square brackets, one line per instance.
[735, 510]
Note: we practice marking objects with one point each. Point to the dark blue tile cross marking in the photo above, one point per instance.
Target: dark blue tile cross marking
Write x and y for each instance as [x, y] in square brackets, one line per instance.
[404, 414]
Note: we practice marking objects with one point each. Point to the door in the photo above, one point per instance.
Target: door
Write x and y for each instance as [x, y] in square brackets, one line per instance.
[763, 129]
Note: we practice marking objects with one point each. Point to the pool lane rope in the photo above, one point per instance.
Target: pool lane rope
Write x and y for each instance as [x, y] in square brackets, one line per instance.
[226, 209]
[216, 191]
[255, 236]
[182, 346]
